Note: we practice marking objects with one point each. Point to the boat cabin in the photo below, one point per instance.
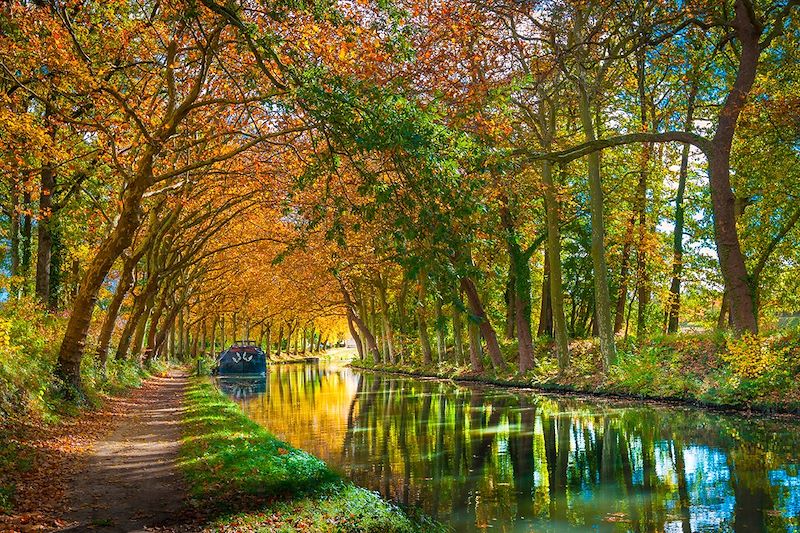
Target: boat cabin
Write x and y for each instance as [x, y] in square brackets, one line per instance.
[243, 357]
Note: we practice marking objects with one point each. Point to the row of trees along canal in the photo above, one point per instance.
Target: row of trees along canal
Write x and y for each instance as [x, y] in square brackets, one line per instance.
[409, 167]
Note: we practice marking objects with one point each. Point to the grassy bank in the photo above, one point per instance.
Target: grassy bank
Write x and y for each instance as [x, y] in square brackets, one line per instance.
[712, 370]
[246, 479]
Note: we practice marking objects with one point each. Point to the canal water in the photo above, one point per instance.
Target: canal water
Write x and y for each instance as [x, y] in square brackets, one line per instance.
[483, 458]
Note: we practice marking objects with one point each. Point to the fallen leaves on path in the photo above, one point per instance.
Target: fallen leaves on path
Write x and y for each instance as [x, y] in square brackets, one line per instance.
[58, 453]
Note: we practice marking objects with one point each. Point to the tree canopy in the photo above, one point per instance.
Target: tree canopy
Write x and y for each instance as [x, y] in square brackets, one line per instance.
[437, 180]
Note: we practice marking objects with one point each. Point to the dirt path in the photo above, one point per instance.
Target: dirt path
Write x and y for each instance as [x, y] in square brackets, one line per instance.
[131, 482]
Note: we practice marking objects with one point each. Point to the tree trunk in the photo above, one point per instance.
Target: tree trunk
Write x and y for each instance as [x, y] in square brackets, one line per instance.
[222, 332]
[214, 324]
[458, 344]
[509, 299]
[204, 338]
[26, 237]
[422, 324]
[279, 348]
[641, 205]
[674, 299]
[68, 366]
[354, 334]
[141, 327]
[172, 353]
[235, 325]
[487, 331]
[387, 326]
[602, 298]
[44, 249]
[124, 343]
[366, 334]
[520, 272]
[168, 328]
[152, 332]
[475, 356]
[441, 333]
[195, 338]
[622, 292]
[731, 259]
[109, 321]
[13, 215]
[554, 254]
[54, 293]
[545, 310]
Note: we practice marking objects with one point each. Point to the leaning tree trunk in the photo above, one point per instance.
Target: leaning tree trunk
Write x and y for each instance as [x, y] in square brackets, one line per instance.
[731, 258]
[152, 332]
[487, 331]
[127, 331]
[68, 366]
[137, 344]
[140, 304]
[366, 334]
[107, 329]
[169, 328]
[354, 334]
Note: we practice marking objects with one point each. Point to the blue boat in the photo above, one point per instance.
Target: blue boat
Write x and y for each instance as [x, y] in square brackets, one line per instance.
[242, 358]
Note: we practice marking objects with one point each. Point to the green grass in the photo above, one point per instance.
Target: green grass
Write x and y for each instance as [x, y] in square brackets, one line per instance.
[252, 481]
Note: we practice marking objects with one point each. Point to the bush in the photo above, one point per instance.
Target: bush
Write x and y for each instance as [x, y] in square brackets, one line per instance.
[29, 340]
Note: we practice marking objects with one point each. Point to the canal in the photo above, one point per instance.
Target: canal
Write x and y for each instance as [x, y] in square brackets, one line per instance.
[484, 458]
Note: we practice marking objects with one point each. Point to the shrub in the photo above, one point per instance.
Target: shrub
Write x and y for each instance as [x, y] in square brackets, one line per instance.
[28, 337]
[750, 357]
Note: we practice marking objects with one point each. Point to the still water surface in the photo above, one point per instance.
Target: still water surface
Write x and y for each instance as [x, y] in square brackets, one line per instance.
[488, 459]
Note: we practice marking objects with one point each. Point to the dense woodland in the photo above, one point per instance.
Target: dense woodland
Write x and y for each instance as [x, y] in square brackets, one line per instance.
[484, 185]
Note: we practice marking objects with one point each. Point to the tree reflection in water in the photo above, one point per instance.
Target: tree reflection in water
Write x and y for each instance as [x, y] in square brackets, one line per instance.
[479, 457]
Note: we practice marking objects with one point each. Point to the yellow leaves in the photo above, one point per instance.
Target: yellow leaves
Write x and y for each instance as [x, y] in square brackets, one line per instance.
[750, 357]
[5, 335]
